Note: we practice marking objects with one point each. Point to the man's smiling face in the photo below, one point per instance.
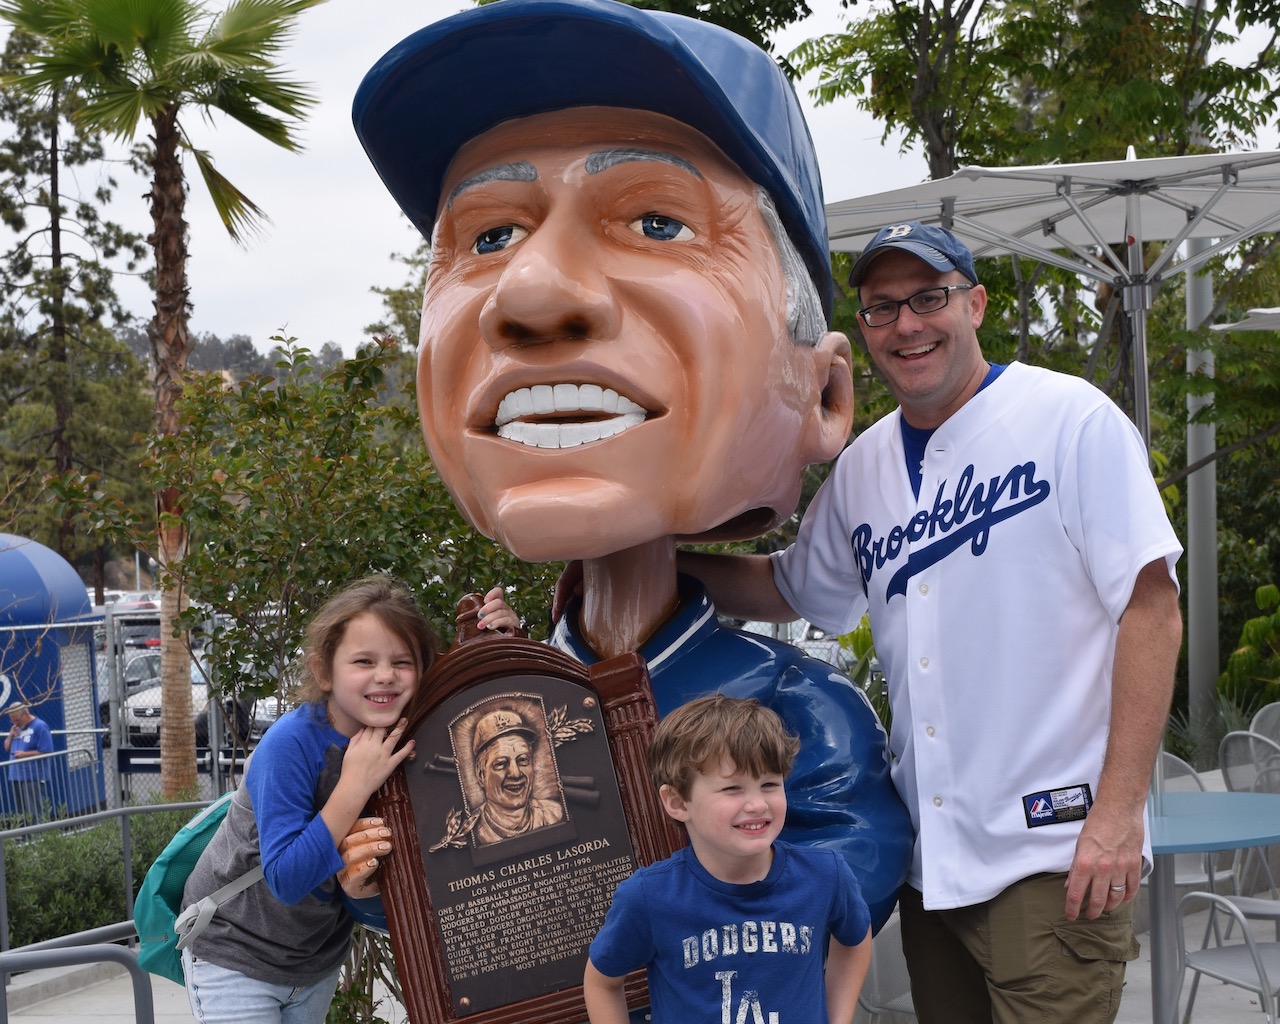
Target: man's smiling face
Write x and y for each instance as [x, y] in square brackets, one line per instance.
[604, 355]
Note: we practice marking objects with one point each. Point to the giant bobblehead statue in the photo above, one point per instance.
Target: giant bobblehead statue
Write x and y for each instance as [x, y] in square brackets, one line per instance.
[625, 345]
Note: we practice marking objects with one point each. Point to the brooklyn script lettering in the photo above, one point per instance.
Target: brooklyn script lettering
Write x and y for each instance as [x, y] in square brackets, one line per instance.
[965, 517]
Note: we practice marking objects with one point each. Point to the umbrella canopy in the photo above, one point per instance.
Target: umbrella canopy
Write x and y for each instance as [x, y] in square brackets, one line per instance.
[1255, 320]
[1072, 215]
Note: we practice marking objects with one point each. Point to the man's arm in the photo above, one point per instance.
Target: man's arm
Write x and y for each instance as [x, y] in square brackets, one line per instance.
[605, 998]
[1109, 850]
[740, 586]
[846, 970]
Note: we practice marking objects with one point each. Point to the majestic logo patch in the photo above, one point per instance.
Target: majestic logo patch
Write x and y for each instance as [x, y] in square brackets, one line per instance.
[966, 516]
[1054, 806]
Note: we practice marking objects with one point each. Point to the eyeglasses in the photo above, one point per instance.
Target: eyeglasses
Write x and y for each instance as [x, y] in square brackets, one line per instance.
[882, 314]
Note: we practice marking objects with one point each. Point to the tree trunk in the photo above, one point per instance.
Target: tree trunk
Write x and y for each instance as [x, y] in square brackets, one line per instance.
[170, 346]
[60, 373]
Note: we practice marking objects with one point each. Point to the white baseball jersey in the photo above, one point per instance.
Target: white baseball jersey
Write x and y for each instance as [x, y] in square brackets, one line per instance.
[994, 601]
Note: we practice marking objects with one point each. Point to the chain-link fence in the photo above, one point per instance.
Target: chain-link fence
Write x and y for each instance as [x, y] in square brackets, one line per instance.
[95, 681]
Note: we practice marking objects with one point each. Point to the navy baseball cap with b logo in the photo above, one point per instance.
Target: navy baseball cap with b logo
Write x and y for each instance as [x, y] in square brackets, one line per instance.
[938, 247]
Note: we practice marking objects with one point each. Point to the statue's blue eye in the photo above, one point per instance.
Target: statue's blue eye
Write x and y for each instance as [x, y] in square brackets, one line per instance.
[496, 239]
[661, 229]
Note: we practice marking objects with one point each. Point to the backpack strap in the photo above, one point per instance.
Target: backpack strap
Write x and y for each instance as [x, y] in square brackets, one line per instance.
[195, 919]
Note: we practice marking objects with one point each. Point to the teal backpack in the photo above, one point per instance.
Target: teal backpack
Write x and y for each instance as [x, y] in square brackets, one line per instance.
[162, 931]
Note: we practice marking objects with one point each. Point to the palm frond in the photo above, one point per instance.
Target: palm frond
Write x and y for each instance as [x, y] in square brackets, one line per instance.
[254, 31]
[247, 100]
[116, 111]
[156, 28]
[238, 213]
[40, 17]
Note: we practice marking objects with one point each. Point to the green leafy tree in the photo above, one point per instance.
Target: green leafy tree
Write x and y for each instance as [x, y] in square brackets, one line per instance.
[140, 67]
[296, 483]
[70, 394]
[1252, 678]
[1033, 81]
[756, 20]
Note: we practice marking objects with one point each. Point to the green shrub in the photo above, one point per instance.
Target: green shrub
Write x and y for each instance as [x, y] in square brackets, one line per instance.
[63, 882]
[1252, 678]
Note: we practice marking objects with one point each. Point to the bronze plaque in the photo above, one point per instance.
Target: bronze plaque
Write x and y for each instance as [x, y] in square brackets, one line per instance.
[527, 802]
[519, 815]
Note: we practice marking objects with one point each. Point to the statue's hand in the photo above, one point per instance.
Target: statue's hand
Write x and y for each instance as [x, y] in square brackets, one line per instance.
[362, 850]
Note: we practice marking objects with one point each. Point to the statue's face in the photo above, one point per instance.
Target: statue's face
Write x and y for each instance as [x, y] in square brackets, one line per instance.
[604, 356]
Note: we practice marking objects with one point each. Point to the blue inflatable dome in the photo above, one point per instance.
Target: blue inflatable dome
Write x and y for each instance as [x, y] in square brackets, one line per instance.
[37, 585]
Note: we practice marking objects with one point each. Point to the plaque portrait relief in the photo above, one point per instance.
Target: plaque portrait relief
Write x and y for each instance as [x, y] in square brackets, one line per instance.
[506, 764]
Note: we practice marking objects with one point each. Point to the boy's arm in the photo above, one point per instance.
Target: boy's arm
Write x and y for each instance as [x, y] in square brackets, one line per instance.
[606, 1001]
[846, 970]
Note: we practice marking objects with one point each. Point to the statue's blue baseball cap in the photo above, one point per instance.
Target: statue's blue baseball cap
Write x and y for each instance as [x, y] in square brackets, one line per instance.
[458, 77]
[937, 246]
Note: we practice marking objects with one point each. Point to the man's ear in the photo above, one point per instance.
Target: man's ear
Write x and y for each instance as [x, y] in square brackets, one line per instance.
[831, 419]
[673, 802]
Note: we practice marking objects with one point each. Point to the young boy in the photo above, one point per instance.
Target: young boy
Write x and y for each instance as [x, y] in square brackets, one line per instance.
[734, 926]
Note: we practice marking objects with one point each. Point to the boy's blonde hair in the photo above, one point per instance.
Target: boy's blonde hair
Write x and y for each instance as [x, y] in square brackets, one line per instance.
[696, 737]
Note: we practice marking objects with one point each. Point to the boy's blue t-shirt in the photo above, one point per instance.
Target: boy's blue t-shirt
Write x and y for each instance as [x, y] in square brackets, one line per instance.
[711, 947]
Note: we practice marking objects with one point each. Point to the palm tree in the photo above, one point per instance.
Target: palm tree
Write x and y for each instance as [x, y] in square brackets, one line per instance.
[136, 61]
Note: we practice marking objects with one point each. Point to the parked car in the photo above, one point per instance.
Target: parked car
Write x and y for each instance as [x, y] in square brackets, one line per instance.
[141, 671]
[142, 710]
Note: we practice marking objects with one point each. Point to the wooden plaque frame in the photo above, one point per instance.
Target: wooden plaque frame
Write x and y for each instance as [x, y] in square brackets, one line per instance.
[626, 703]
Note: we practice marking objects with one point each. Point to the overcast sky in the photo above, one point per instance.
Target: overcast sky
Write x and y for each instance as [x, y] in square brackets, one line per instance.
[333, 226]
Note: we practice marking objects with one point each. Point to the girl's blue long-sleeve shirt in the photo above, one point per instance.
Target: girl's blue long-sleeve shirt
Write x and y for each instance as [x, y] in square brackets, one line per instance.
[292, 773]
[292, 928]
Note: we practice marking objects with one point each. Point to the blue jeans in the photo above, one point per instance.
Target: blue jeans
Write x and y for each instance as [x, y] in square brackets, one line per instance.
[219, 995]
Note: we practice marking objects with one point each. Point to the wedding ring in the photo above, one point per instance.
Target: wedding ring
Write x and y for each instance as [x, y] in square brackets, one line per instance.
[1119, 888]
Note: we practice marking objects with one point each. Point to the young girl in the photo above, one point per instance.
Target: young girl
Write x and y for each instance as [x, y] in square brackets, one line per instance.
[272, 954]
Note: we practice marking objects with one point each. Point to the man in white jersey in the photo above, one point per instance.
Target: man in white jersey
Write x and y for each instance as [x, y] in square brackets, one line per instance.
[1003, 532]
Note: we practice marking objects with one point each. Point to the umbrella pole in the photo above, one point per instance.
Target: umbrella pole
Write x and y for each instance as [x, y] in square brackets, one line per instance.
[1137, 300]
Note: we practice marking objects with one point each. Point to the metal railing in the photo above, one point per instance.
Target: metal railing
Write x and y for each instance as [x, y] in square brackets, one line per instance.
[66, 784]
[37, 959]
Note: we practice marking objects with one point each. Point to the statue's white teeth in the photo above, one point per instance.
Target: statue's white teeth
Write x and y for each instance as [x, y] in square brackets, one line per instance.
[612, 414]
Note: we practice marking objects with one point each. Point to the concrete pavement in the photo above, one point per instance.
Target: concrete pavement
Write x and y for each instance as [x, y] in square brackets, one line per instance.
[103, 994]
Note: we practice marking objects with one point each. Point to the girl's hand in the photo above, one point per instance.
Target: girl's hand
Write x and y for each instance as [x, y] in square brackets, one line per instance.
[372, 756]
[496, 614]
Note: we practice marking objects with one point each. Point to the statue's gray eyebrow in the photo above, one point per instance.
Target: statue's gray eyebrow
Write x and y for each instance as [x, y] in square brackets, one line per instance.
[603, 159]
[520, 170]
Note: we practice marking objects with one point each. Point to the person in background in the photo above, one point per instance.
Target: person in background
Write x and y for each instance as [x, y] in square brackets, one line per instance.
[738, 924]
[28, 738]
[1004, 534]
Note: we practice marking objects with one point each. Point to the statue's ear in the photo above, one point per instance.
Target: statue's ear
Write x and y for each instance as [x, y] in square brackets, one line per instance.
[831, 419]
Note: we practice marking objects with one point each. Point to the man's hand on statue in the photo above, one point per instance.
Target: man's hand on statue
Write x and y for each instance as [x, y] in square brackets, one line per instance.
[362, 850]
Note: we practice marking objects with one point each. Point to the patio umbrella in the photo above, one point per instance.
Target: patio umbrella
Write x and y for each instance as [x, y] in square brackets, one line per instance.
[1070, 216]
[1255, 320]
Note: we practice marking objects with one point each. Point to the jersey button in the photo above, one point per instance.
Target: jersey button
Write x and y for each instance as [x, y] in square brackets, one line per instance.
[924, 589]
[930, 731]
[924, 662]
[937, 801]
